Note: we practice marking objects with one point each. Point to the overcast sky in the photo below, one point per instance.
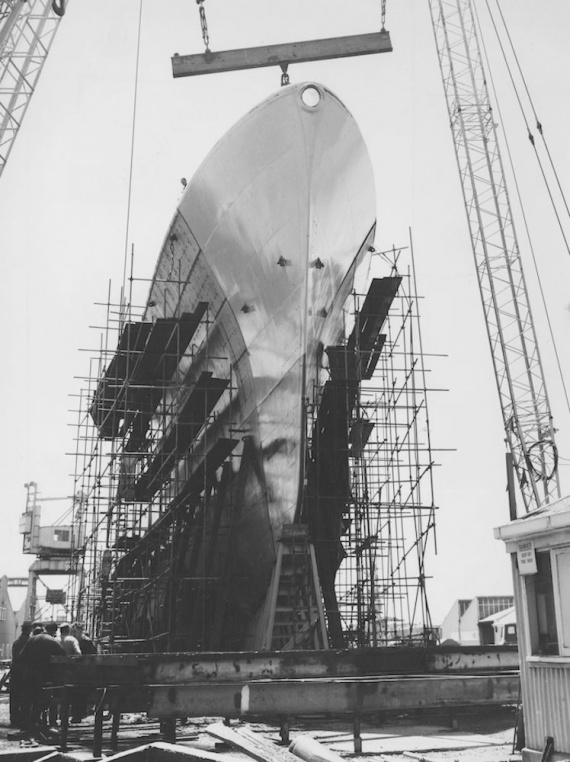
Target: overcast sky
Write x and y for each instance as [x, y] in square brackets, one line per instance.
[64, 203]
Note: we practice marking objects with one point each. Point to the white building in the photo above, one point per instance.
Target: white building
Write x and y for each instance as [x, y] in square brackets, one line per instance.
[470, 621]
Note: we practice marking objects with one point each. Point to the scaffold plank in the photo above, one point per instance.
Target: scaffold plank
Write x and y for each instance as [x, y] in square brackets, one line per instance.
[144, 362]
[110, 389]
[250, 744]
[366, 336]
[192, 416]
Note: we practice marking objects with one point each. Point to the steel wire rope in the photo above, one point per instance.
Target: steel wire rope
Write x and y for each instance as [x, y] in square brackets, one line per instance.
[553, 204]
[524, 217]
[531, 102]
[529, 133]
[131, 162]
[122, 306]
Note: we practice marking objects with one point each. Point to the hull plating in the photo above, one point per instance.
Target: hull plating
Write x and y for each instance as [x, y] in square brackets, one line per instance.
[268, 233]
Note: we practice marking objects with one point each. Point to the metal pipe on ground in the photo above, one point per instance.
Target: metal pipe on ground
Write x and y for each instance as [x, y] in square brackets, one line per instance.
[309, 749]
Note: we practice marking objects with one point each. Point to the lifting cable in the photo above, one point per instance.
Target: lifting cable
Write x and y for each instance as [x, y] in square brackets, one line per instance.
[132, 148]
[527, 230]
[538, 125]
[536, 119]
[284, 76]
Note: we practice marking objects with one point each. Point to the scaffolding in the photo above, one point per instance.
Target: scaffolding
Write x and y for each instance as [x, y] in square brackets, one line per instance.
[390, 516]
[161, 483]
[147, 479]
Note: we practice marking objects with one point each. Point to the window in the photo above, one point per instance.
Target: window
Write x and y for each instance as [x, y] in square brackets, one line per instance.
[2, 613]
[489, 605]
[541, 611]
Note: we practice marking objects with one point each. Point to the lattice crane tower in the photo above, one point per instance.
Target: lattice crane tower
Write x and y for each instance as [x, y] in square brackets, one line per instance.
[27, 29]
[516, 358]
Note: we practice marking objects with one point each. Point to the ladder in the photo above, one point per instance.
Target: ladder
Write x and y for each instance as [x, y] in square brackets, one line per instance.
[294, 617]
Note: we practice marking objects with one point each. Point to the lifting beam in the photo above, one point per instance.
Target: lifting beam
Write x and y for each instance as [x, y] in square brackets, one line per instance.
[281, 55]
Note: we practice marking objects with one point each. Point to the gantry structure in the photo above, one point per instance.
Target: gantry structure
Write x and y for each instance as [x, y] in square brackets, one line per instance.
[27, 30]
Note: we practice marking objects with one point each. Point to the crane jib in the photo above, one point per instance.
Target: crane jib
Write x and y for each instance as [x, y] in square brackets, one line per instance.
[510, 327]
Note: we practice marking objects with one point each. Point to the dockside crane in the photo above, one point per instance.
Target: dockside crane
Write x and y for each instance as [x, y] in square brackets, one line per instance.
[515, 352]
[27, 30]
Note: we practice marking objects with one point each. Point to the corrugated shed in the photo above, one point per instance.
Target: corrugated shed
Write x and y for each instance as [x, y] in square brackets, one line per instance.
[547, 705]
[545, 689]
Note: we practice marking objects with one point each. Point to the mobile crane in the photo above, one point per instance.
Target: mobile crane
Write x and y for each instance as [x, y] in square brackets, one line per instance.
[27, 30]
[518, 369]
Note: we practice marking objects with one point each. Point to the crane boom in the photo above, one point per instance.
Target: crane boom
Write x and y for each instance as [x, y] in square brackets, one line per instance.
[518, 370]
[27, 29]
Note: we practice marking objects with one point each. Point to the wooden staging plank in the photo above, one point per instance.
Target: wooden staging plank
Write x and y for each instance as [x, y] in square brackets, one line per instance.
[159, 751]
[277, 55]
[249, 743]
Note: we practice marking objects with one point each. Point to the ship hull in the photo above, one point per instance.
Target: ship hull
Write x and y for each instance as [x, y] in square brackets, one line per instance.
[268, 234]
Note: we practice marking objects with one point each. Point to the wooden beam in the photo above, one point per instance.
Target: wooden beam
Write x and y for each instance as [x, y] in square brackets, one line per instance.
[251, 744]
[281, 55]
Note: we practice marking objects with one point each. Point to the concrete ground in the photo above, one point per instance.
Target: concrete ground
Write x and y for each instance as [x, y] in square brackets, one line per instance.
[485, 735]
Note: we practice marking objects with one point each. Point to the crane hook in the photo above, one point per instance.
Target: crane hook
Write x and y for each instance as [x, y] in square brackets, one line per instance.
[58, 7]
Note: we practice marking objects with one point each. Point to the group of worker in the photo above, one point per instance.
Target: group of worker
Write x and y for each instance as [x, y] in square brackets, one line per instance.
[32, 670]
